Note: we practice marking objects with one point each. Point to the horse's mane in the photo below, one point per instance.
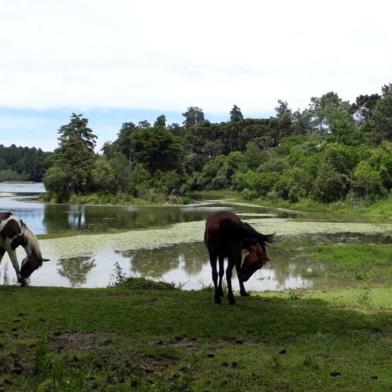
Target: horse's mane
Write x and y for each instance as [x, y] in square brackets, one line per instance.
[242, 231]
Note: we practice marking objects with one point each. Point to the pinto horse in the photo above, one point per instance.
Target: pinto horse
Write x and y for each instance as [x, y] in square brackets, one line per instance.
[13, 233]
[226, 236]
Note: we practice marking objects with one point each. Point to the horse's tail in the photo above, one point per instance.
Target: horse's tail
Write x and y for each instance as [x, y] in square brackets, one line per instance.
[240, 230]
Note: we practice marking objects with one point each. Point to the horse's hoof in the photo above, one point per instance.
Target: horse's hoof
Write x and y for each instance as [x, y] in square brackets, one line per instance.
[244, 294]
[23, 283]
[220, 293]
[231, 301]
[218, 300]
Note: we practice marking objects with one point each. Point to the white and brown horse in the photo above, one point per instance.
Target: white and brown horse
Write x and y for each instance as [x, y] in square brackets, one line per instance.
[13, 233]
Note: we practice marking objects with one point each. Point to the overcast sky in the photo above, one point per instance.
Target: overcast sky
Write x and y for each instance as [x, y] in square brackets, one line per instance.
[129, 60]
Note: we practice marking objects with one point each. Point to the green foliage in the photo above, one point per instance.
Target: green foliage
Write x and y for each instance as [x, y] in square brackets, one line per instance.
[22, 163]
[254, 155]
[330, 185]
[381, 119]
[73, 161]
[104, 176]
[122, 172]
[235, 114]
[323, 152]
[261, 183]
[11, 175]
[157, 149]
[367, 182]
[193, 116]
[57, 183]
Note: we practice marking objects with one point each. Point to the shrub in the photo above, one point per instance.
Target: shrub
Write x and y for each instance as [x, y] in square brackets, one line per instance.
[329, 185]
[367, 182]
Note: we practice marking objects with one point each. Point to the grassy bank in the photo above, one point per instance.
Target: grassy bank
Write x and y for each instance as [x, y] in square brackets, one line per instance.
[150, 339]
[347, 211]
[120, 199]
[146, 336]
[354, 264]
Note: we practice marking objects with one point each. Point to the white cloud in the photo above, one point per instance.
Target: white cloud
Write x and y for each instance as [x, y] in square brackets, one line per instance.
[167, 55]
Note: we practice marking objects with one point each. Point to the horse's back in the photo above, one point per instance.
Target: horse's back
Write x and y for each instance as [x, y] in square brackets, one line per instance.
[214, 238]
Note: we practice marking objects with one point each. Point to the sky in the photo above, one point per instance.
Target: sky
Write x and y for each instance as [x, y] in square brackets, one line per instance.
[131, 60]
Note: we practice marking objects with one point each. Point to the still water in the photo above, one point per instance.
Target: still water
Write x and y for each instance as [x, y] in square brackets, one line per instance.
[76, 262]
[21, 199]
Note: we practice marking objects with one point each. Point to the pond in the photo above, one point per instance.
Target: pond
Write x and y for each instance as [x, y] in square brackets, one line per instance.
[159, 242]
[42, 218]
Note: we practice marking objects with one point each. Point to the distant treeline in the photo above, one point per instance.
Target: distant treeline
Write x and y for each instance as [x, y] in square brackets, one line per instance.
[22, 163]
[332, 150]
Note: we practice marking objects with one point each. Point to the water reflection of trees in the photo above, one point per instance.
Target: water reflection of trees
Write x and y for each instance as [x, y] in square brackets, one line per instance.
[102, 218]
[289, 262]
[75, 269]
[157, 262]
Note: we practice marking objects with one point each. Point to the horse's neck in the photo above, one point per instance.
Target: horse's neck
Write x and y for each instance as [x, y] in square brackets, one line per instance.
[32, 242]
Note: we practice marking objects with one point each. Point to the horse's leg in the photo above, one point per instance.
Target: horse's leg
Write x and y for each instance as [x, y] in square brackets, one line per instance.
[2, 253]
[243, 292]
[221, 273]
[229, 272]
[215, 278]
[14, 259]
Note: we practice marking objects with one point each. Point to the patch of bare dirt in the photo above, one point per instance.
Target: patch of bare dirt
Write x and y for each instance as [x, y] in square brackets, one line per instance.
[75, 341]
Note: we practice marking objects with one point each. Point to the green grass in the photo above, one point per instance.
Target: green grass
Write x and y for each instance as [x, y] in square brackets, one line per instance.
[352, 264]
[380, 211]
[121, 339]
[342, 211]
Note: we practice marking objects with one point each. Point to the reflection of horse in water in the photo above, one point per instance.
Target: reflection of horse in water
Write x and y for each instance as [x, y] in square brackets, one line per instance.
[13, 233]
[225, 236]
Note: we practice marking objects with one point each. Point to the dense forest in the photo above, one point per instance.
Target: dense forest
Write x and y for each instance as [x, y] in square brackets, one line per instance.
[332, 150]
[22, 163]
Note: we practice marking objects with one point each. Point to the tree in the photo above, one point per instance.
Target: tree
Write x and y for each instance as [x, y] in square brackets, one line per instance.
[329, 185]
[104, 177]
[193, 116]
[73, 161]
[123, 144]
[324, 109]
[143, 124]
[77, 130]
[301, 122]
[283, 117]
[381, 120]
[364, 106]
[235, 114]
[386, 89]
[160, 122]
[157, 149]
[333, 116]
[367, 182]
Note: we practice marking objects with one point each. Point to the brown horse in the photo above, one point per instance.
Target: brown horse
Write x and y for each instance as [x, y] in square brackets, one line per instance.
[226, 236]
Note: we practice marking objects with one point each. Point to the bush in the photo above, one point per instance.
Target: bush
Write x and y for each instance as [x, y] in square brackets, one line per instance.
[11, 175]
[247, 194]
[329, 185]
[261, 183]
[367, 182]
[57, 183]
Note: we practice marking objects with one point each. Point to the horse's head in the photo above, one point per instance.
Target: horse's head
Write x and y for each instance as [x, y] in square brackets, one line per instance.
[34, 257]
[254, 260]
[30, 264]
